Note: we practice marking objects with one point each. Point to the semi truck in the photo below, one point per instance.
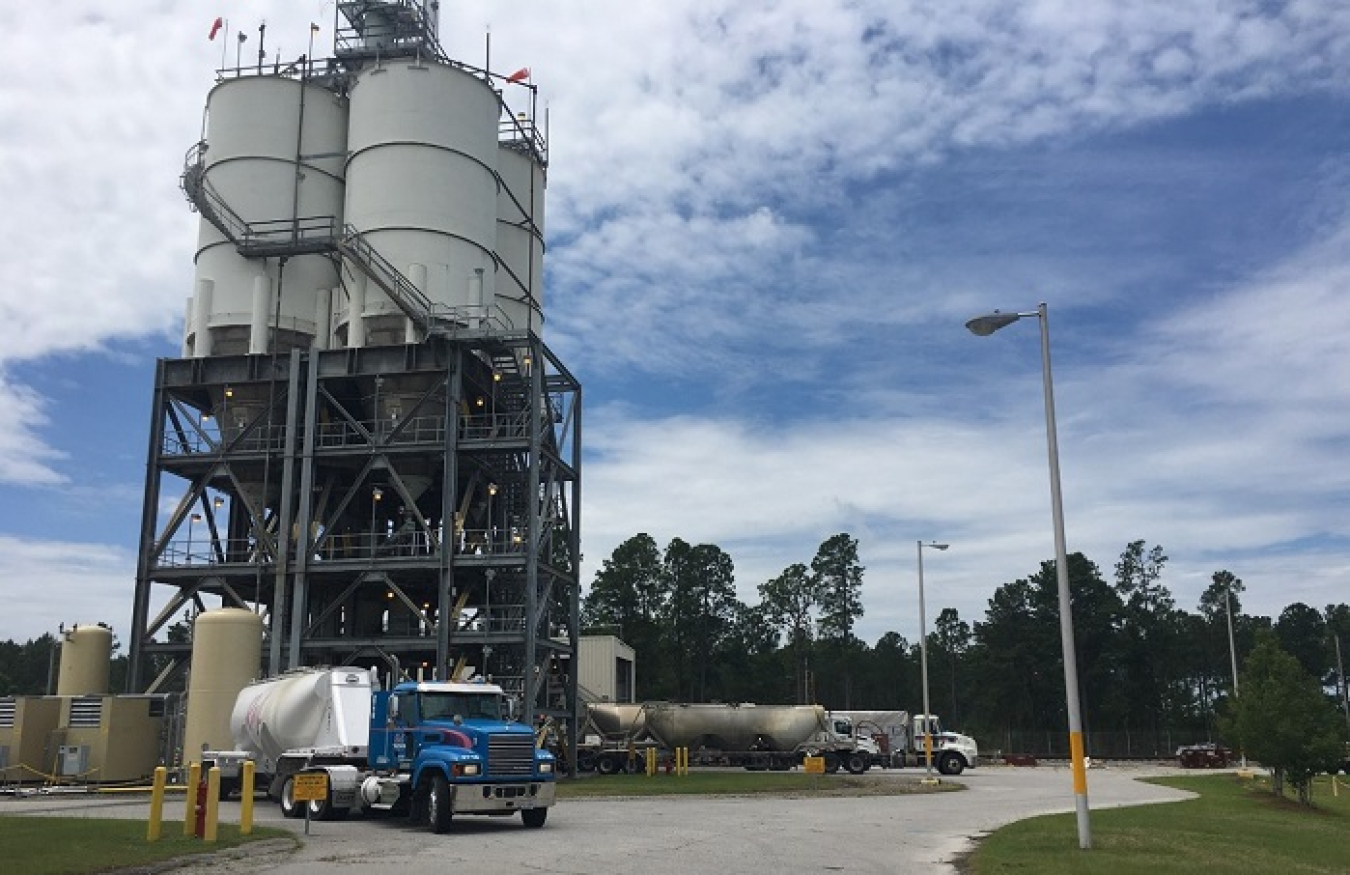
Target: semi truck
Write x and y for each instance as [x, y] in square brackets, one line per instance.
[755, 737]
[427, 749]
[901, 737]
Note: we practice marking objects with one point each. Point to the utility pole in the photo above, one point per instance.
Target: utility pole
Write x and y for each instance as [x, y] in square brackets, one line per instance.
[1340, 674]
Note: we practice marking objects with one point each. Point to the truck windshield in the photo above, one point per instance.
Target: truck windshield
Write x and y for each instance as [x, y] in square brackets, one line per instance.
[443, 706]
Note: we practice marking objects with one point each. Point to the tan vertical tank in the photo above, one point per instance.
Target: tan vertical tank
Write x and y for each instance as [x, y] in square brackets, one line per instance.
[86, 658]
[226, 656]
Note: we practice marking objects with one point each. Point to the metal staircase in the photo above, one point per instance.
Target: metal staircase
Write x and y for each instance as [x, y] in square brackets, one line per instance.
[285, 238]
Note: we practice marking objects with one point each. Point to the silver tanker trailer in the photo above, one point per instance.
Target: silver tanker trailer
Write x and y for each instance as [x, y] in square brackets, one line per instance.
[752, 736]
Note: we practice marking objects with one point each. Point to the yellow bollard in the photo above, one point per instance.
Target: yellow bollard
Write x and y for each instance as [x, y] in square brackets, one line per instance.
[212, 803]
[190, 798]
[153, 828]
[246, 799]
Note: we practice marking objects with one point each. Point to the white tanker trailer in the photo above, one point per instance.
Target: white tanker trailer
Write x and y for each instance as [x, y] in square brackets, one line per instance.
[749, 735]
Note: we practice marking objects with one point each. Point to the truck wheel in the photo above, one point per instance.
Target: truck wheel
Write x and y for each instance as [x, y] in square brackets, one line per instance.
[440, 810]
[534, 817]
[228, 787]
[856, 763]
[831, 763]
[607, 765]
[289, 807]
[951, 764]
[321, 809]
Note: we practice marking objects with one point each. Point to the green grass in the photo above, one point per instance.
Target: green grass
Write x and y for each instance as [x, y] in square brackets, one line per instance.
[732, 782]
[40, 845]
[1235, 827]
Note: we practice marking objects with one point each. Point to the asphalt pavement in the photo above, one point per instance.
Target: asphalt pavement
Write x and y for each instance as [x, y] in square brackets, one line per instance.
[665, 835]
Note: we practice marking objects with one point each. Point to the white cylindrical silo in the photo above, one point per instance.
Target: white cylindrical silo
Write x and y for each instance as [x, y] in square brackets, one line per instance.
[86, 659]
[275, 153]
[226, 656]
[421, 184]
[520, 235]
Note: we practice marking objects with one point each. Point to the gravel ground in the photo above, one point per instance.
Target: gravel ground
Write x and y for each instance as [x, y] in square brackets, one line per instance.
[664, 835]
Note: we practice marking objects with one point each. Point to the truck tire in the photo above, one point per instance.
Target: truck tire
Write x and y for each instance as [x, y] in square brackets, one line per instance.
[951, 763]
[534, 817]
[608, 765]
[440, 808]
[228, 787]
[289, 807]
[856, 762]
[831, 763]
[321, 809]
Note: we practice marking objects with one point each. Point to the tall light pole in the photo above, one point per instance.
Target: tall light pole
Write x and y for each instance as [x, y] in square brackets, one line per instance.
[983, 326]
[1232, 651]
[923, 663]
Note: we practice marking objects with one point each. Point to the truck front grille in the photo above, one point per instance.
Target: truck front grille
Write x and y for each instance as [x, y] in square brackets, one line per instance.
[510, 755]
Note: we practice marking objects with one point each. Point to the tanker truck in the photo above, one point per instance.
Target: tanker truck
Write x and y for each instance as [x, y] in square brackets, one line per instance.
[756, 737]
[427, 749]
[900, 739]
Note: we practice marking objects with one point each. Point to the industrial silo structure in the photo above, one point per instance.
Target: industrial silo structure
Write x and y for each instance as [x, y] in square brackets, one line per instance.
[268, 175]
[366, 442]
[422, 188]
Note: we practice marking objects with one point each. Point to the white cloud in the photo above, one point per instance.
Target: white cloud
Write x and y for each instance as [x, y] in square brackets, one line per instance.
[716, 208]
[51, 572]
[24, 459]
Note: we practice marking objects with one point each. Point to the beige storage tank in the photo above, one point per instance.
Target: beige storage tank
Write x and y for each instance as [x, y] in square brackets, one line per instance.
[86, 658]
[226, 657]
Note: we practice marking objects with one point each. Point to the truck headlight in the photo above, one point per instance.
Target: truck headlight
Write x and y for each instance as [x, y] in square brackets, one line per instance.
[468, 770]
[546, 768]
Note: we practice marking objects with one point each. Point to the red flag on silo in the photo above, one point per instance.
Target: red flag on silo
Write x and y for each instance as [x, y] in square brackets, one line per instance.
[215, 28]
[522, 73]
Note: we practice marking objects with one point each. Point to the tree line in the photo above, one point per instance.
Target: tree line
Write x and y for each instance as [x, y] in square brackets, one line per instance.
[1152, 674]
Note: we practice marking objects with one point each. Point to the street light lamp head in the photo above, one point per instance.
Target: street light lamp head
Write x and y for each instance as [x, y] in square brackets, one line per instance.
[984, 326]
[934, 545]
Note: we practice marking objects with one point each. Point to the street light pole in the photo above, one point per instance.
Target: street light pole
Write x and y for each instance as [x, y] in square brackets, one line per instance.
[984, 326]
[1232, 651]
[923, 663]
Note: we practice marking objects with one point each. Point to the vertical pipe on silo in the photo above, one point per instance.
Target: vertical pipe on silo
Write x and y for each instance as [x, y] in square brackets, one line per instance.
[356, 314]
[262, 305]
[206, 289]
[323, 319]
[477, 306]
[417, 274]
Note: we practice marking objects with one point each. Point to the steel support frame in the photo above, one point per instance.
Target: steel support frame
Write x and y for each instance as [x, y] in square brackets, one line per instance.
[414, 505]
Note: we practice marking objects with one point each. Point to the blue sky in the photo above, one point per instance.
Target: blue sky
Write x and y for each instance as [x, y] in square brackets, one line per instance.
[767, 224]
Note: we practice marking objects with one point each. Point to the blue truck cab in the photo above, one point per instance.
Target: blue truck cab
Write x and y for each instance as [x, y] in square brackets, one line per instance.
[437, 749]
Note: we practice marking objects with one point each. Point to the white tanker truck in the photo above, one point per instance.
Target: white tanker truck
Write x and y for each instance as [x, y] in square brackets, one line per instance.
[753, 736]
[429, 749]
